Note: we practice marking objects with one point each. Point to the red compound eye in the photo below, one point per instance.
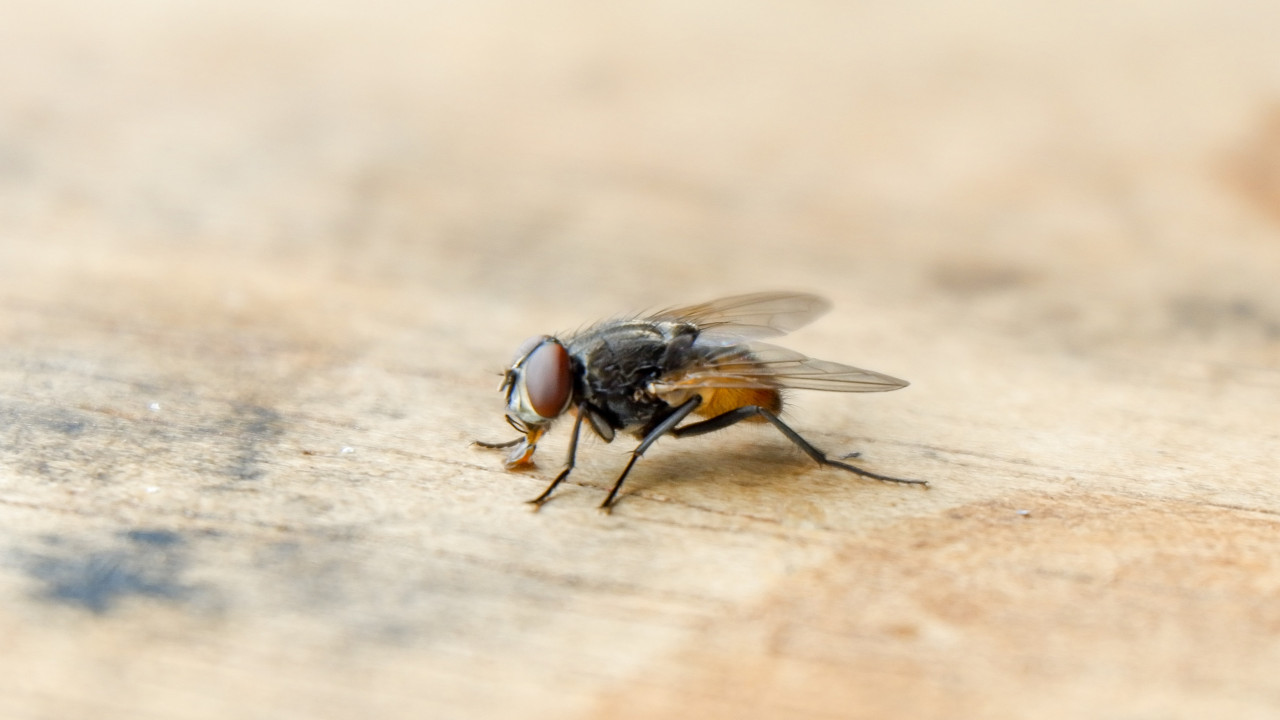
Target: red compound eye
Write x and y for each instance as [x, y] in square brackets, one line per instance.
[527, 347]
[548, 379]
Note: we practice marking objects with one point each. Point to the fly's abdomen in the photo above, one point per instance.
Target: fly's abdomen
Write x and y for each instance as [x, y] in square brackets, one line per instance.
[717, 401]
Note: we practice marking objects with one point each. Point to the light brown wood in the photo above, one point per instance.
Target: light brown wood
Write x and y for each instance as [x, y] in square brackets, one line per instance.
[260, 267]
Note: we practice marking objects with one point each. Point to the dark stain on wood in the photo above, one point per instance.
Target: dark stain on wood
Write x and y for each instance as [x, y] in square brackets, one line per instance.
[97, 576]
[256, 428]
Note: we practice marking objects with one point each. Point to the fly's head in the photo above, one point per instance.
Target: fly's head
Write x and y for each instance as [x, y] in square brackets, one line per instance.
[539, 389]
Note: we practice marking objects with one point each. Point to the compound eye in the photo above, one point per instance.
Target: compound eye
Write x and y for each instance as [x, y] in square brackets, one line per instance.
[527, 347]
[548, 379]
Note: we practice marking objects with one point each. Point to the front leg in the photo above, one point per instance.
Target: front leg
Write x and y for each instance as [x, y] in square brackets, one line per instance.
[522, 456]
[583, 409]
[497, 445]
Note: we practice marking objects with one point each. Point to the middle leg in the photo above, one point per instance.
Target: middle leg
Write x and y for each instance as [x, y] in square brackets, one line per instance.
[667, 425]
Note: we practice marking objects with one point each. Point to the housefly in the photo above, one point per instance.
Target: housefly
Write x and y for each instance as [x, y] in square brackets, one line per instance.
[648, 375]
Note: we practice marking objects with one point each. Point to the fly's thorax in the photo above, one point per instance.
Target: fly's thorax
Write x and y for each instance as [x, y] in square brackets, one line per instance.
[620, 359]
[626, 354]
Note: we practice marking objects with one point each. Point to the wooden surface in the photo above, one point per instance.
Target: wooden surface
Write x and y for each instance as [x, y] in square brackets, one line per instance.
[260, 267]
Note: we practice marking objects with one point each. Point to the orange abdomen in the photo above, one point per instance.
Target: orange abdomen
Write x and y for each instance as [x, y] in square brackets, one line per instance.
[717, 401]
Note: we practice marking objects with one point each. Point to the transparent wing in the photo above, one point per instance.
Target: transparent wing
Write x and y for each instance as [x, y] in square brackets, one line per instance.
[758, 365]
[731, 320]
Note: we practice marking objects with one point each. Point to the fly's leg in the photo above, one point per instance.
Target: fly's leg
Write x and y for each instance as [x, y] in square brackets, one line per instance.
[568, 466]
[502, 445]
[497, 445]
[667, 425]
[737, 415]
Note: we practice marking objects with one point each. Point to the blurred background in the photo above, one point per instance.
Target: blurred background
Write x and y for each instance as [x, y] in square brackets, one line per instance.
[260, 262]
[517, 140]
[997, 163]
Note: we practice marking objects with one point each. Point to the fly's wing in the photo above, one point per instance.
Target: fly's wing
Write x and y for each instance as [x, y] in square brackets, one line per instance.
[729, 321]
[758, 365]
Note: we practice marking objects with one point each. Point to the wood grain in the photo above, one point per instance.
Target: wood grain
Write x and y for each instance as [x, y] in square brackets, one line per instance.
[260, 267]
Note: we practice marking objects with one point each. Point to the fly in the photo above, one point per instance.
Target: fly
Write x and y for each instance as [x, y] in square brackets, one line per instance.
[648, 375]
